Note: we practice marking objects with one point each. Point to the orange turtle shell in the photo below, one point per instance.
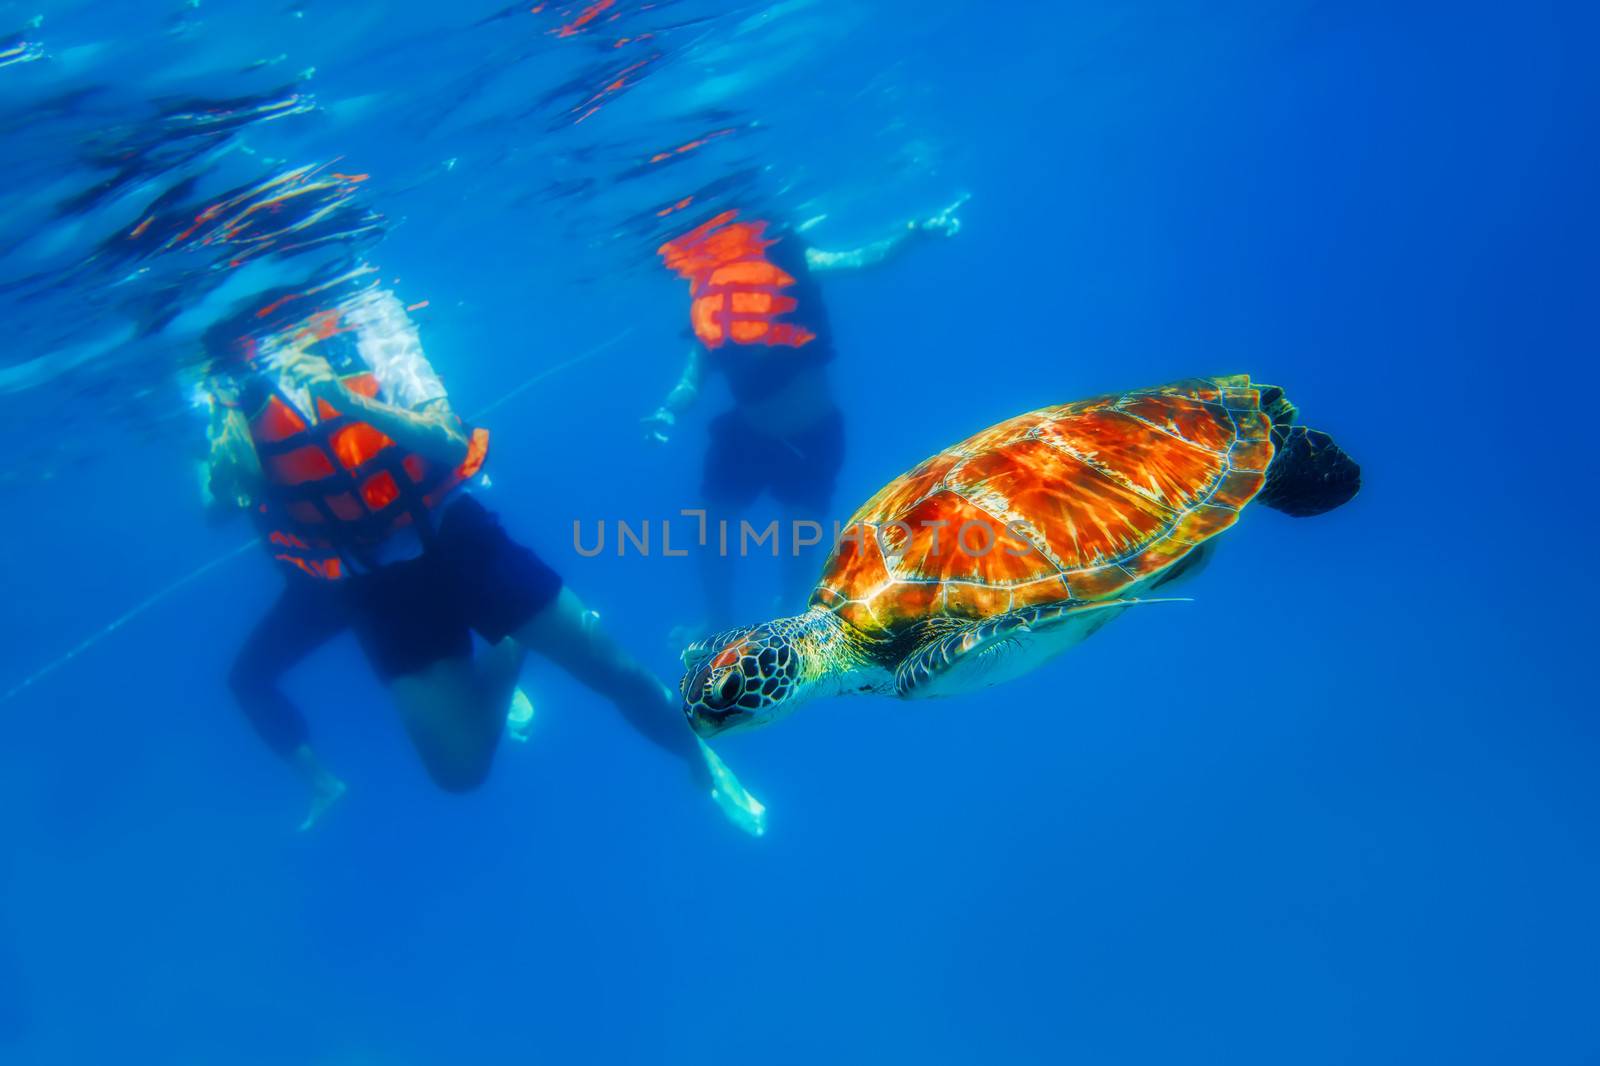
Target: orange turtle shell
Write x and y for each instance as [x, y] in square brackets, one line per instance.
[1075, 503]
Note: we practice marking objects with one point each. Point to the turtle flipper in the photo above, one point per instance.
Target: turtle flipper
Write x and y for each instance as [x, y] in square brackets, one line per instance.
[1310, 474]
[993, 650]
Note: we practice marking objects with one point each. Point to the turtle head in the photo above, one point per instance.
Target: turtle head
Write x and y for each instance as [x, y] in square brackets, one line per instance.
[744, 678]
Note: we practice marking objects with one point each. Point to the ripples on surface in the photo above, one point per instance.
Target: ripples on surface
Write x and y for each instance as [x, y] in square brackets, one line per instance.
[158, 168]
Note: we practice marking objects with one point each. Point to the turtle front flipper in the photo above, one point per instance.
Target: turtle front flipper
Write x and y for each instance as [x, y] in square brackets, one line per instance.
[965, 658]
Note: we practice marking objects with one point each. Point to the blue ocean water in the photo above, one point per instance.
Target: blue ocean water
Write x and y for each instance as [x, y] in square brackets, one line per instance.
[1340, 808]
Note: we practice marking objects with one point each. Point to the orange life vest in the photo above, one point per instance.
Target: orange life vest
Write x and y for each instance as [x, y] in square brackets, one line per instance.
[735, 289]
[339, 486]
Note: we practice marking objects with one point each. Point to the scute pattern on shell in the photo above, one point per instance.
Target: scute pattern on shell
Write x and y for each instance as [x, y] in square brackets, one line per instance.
[1073, 503]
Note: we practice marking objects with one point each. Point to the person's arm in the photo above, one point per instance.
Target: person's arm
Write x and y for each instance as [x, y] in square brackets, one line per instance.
[432, 431]
[658, 426]
[232, 472]
[944, 224]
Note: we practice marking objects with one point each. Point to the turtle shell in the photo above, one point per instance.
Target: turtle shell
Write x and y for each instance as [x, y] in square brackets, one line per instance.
[1075, 503]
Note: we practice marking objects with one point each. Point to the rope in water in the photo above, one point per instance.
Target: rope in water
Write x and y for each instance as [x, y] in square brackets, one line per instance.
[549, 371]
[155, 598]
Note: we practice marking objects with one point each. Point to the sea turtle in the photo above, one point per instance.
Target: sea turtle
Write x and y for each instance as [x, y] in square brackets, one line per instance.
[1001, 552]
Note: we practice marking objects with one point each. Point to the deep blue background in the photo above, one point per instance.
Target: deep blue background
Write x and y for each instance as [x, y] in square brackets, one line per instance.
[1339, 809]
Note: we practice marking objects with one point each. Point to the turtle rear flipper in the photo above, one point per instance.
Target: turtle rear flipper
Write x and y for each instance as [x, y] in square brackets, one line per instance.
[1309, 475]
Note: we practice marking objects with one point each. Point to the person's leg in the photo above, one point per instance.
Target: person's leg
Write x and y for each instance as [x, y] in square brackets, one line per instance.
[452, 704]
[803, 485]
[730, 481]
[499, 668]
[570, 636]
[306, 615]
[798, 569]
[716, 571]
[510, 596]
[454, 717]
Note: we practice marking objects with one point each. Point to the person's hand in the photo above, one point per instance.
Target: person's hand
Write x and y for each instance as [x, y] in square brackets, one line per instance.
[223, 392]
[311, 373]
[944, 224]
[658, 427]
[232, 473]
[228, 485]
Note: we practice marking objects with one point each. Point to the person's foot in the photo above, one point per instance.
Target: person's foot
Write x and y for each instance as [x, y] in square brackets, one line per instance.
[326, 790]
[519, 719]
[731, 797]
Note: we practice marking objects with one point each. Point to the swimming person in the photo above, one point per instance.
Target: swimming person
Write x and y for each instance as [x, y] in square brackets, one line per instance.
[759, 320]
[331, 427]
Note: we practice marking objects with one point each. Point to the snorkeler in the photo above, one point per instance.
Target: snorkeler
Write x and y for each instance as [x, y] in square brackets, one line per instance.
[333, 430]
[758, 319]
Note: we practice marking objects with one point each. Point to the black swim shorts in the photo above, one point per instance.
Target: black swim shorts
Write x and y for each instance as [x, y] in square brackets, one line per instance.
[798, 469]
[473, 578]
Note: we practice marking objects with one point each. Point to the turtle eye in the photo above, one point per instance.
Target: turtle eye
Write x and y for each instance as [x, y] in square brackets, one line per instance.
[725, 691]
